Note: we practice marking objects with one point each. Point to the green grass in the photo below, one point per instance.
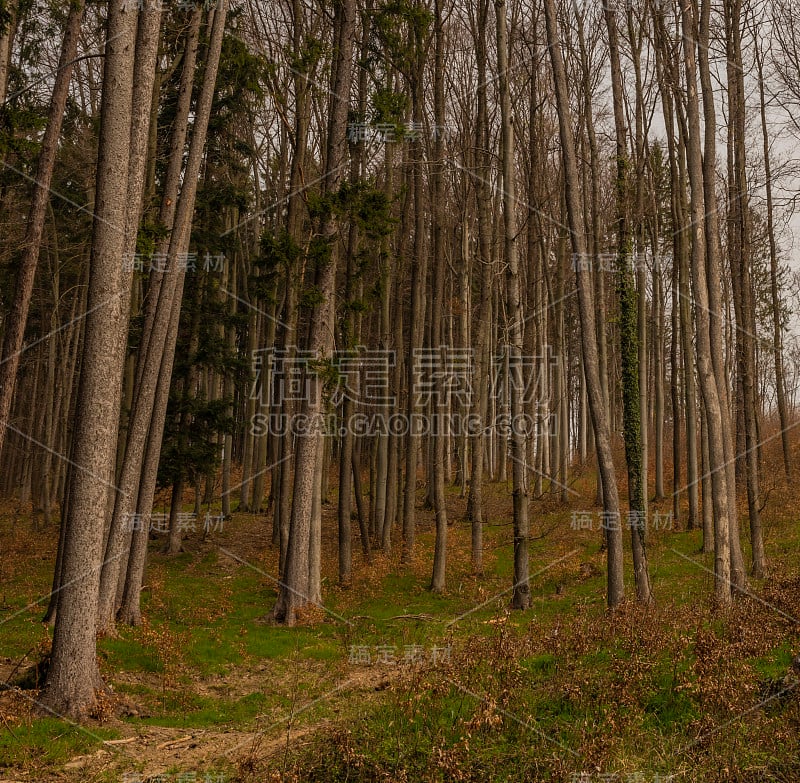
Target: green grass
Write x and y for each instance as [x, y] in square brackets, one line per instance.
[49, 741]
[667, 708]
[196, 712]
[775, 664]
[129, 653]
[523, 694]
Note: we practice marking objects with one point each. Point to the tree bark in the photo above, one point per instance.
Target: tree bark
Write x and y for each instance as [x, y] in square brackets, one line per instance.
[73, 676]
[171, 289]
[484, 262]
[14, 326]
[521, 591]
[629, 334]
[585, 307]
[741, 252]
[714, 290]
[6, 46]
[439, 433]
[294, 587]
[777, 310]
[714, 406]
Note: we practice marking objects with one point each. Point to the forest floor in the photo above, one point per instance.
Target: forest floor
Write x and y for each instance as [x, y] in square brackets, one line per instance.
[393, 683]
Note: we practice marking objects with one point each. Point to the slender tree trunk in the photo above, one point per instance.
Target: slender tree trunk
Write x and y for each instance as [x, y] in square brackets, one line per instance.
[6, 46]
[480, 396]
[777, 309]
[715, 289]
[746, 323]
[295, 582]
[73, 677]
[708, 509]
[171, 289]
[629, 334]
[228, 388]
[586, 311]
[714, 406]
[394, 495]
[14, 326]
[293, 278]
[521, 592]
[658, 368]
[438, 433]
[419, 273]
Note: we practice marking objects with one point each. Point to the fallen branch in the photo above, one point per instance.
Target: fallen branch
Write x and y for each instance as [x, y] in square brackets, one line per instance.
[174, 742]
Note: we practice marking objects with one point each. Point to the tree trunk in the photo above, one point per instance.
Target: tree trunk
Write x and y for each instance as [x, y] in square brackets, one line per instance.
[629, 334]
[439, 406]
[715, 289]
[294, 587]
[171, 289]
[486, 276]
[6, 46]
[14, 326]
[777, 310]
[597, 404]
[715, 411]
[419, 273]
[521, 591]
[73, 676]
[741, 274]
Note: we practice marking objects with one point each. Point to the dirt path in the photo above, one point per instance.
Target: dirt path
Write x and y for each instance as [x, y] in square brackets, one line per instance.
[162, 754]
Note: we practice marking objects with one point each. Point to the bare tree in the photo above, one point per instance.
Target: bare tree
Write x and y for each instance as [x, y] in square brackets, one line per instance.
[777, 325]
[521, 594]
[629, 336]
[715, 412]
[294, 587]
[597, 405]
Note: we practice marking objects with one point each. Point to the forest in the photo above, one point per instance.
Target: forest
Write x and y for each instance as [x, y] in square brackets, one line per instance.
[399, 390]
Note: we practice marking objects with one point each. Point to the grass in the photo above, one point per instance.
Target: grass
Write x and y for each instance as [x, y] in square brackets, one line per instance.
[561, 689]
[49, 740]
[190, 711]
